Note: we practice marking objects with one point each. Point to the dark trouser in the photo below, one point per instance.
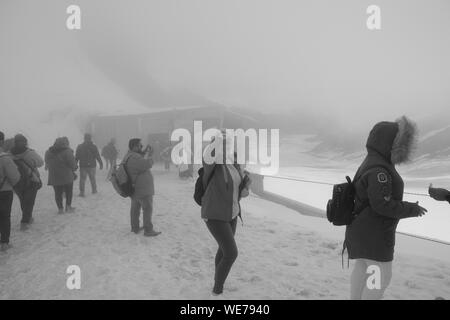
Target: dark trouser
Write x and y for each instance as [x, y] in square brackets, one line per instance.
[227, 253]
[84, 173]
[27, 198]
[146, 203]
[66, 189]
[6, 199]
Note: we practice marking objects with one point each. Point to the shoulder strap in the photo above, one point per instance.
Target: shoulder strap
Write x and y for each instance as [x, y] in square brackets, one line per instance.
[126, 170]
[28, 165]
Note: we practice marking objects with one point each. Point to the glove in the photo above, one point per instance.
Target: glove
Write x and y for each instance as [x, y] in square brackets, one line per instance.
[439, 194]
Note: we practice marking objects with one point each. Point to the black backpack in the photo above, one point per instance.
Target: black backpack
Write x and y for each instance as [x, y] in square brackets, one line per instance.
[26, 174]
[125, 189]
[199, 190]
[341, 207]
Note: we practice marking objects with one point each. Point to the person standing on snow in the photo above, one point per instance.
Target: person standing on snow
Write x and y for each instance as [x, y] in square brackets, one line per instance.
[166, 157]
[110, 153]
[28, 162]
[9, 177]
[61, 165]
[86, 157]
[370, 238]
[138, 162]
[225, 185]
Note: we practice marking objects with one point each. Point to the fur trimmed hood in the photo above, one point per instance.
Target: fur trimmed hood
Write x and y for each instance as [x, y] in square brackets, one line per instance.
[395, 141]
[405, 142]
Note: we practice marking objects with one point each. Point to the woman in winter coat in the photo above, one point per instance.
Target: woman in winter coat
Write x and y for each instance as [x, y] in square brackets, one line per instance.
[61, 165]
[370, 238]
[225, 185]
[28, 163]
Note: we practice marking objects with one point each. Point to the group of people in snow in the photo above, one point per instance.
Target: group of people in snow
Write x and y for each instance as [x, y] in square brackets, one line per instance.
[19, 173]
[379, 205]
[369, 238]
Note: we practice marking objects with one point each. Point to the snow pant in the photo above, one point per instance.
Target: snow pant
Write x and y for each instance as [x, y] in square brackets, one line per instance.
[84, 173]
[6, 199]
[66, 189]
[27, 198]
[146, 204]
[223, 232]
[370, 279]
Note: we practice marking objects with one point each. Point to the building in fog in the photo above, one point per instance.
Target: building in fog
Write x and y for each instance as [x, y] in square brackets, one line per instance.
[154, 126]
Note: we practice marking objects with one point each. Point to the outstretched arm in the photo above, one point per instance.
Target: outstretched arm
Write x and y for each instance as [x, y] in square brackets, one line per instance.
[379, 192]
[439, 194]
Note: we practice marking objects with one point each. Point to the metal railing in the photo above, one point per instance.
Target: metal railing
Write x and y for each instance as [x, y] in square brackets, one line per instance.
[331, 184]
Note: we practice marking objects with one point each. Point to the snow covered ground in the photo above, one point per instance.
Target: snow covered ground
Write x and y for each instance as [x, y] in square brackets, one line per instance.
[282, 254]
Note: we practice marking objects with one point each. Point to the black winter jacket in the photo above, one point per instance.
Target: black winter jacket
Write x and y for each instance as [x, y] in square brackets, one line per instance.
[379, 194]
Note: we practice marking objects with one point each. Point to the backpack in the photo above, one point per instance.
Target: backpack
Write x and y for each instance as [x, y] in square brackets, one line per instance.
[200, 190]
[26, 174]
[126, 188]
[341, 207]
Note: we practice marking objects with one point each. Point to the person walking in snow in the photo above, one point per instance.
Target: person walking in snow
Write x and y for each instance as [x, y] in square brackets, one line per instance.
[9, 177]
[370, 238]
[166, 157]
[110, 153]
[28, 162]
[61, 165]
[224, 184]
[138, 162]
[86, 157]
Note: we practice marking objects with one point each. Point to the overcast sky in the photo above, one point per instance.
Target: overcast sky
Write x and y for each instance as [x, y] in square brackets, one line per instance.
[271, 55]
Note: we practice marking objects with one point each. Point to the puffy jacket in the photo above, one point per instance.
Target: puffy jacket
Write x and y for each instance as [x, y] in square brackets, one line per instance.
[9, 174]
[61, 164]
[87, 154]
[139, 170]
[379, 196]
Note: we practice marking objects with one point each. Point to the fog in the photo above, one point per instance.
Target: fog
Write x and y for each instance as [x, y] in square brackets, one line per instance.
[272, 56]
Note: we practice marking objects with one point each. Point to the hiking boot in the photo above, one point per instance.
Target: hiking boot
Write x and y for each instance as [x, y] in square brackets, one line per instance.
[5, 247]
[70, 209]
[217, 290]
[60, 211]
[151, 233]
